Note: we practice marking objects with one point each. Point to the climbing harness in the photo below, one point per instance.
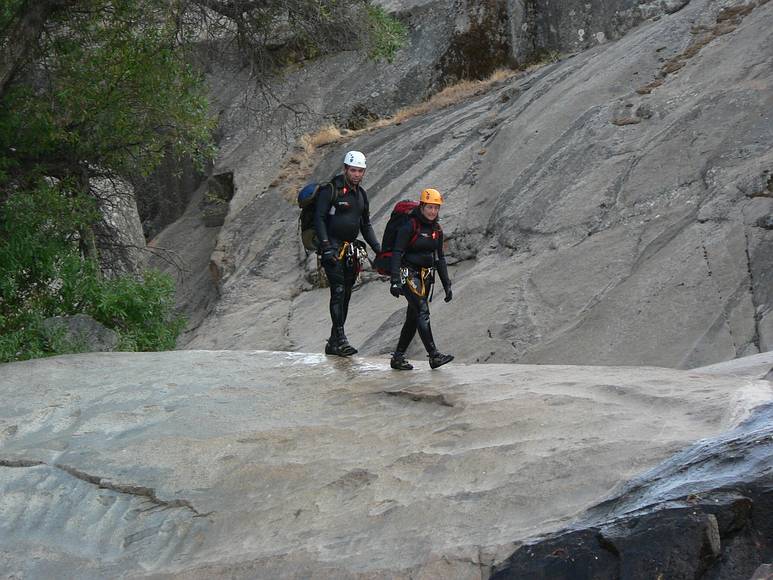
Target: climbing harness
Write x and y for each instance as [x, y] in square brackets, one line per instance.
[426, 277]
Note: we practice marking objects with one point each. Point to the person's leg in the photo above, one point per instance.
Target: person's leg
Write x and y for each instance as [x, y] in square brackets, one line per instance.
[409, 329]
[350, 277]
[436, 358]
[407, 333]
[337, 344]
[423, 325]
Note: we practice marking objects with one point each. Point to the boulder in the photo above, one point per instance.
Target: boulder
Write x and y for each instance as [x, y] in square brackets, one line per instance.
[119, 238]
[80, 333]
[706, 512]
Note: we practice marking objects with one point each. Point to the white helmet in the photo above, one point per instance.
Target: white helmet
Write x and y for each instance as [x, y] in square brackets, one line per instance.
[354, 159]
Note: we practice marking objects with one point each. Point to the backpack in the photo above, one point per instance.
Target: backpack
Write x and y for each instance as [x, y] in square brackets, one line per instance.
[307, 201]
[401, 212]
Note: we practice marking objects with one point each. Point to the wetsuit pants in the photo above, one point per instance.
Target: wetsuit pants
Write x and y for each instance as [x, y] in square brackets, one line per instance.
[416, 318]
[341, 277]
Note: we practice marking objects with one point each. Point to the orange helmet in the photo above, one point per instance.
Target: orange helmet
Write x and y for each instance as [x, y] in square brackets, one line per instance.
[431, 196]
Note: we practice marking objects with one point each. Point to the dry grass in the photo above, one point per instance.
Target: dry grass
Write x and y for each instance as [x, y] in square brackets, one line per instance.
[450, 95]
[325, 136]
[673, 66]
[735, 13]
[648, 88]
[301, 162]
[696, 45]
[727, 21]
[622, 121]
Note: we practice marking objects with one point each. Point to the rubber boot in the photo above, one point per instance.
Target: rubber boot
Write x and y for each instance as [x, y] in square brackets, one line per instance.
[399, 363]
[332, 343]
[343, 343]
[338, 344]
[438, 359]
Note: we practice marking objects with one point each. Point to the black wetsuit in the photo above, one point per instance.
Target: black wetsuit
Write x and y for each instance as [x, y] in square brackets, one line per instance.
[336, 223]
[419, 256]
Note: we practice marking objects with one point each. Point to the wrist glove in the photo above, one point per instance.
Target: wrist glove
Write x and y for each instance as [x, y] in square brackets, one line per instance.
[449, 295]
[328, 256]
[396, 289]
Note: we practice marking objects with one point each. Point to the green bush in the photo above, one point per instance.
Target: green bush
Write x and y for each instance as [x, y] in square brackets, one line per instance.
[387, 34]
[140, 310]
[102, 92]
[43, 274]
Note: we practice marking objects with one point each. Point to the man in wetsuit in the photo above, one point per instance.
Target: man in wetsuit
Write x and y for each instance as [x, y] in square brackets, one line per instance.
[341, 213]
[417, 252]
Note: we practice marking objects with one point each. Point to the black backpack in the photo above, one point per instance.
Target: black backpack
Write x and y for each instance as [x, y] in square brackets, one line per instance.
[307, 201]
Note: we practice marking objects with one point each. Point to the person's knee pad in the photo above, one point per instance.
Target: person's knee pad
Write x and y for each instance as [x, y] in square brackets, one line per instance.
[337, 291]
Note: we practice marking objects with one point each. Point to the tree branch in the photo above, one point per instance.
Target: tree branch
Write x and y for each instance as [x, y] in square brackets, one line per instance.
[23, 34]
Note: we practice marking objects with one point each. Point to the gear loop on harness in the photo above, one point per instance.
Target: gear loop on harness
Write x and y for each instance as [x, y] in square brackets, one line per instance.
[423, 275]
[344, 248]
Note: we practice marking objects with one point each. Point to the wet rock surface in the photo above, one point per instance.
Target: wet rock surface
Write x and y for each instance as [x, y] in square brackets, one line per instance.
[198, 464]
[706, 513]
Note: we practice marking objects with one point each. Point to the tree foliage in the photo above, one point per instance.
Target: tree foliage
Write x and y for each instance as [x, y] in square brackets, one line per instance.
[43, 274]
[105, 89]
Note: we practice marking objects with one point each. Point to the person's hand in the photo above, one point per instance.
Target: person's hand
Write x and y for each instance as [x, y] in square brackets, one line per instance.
[376, 249]
[449, 294]
[328, 256]
[396, 289]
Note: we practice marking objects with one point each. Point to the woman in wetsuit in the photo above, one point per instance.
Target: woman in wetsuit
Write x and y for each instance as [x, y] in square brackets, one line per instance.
[417, 253]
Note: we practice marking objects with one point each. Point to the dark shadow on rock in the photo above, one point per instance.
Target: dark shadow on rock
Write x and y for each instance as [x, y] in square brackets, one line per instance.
[707, 513]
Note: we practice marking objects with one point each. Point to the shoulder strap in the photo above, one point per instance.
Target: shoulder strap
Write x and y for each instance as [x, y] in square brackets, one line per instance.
[416, 226]
[333, 190]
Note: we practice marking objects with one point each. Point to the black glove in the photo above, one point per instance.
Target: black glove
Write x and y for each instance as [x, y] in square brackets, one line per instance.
[329, 257]
[396, 289]
[376, 249]
[449, 294]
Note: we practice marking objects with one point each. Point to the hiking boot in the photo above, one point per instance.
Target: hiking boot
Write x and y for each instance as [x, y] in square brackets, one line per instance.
[339, 349]
[439, 359]
[338, 344]
[345, 348]
[399, 363]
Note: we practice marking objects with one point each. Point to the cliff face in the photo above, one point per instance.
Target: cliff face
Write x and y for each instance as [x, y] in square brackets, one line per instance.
[611, 208]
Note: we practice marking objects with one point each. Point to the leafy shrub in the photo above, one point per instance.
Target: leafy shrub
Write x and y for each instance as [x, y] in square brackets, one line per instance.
[387, 34]
[43, 274]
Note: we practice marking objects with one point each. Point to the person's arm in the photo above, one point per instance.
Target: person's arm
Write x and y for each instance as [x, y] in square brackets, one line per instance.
[322, 208]
[402, 237]
[442, 270]
[367, 228]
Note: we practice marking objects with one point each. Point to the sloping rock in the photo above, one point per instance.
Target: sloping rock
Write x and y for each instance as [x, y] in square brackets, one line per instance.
[754, 367]
[447, 41]
[195, 464]
[540, 30]
[260, 123]
[578, 240]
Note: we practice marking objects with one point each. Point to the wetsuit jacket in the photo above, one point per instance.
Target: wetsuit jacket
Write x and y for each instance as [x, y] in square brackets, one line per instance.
[426, 250]
[346, 217]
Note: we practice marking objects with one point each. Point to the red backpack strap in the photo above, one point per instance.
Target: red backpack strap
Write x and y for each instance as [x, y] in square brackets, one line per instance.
[416, 229]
